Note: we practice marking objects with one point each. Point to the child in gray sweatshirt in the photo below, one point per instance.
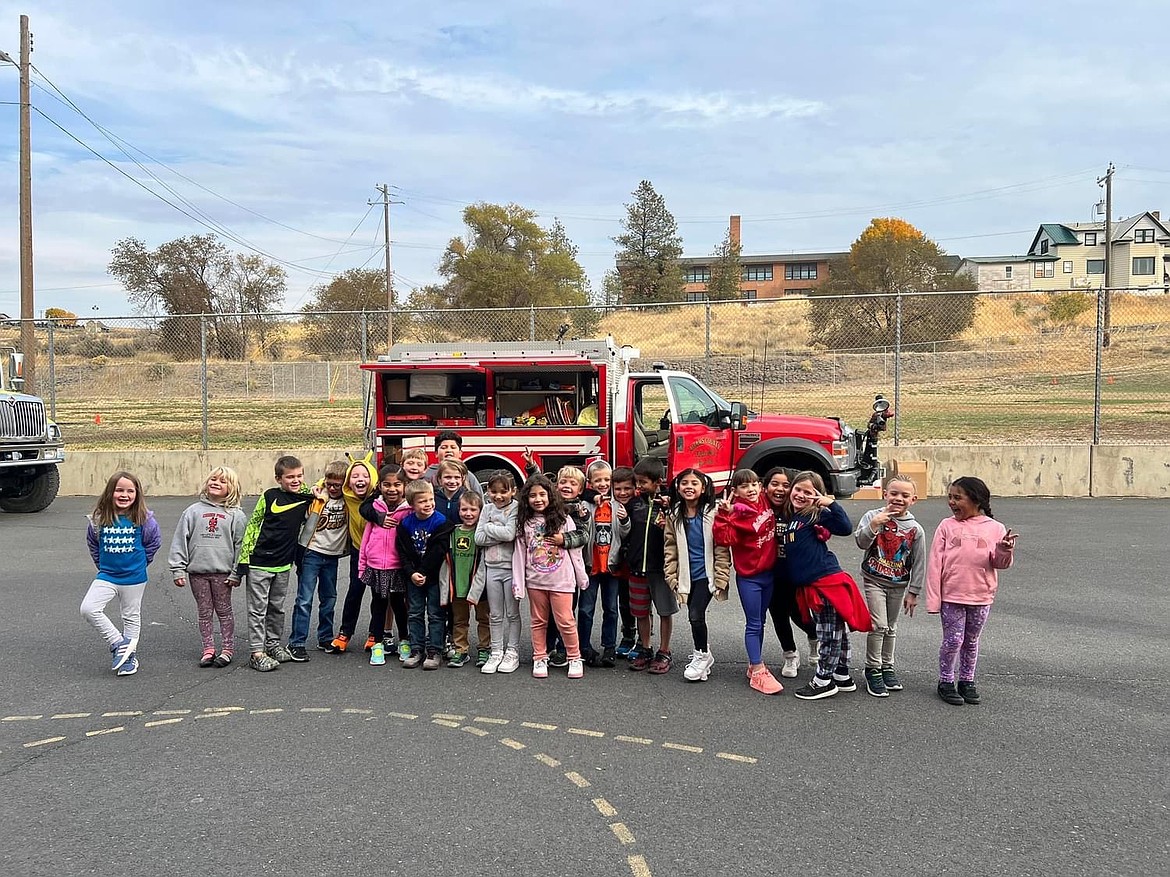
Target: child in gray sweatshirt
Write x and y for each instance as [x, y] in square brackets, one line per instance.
[203, 552]
[893, 571]
[495, 534]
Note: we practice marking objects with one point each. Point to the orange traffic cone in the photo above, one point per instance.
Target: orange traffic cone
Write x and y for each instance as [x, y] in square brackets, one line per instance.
[97, 418]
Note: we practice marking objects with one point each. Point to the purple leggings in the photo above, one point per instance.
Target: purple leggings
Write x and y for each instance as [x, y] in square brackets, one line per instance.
[213, 594]
[962, 625]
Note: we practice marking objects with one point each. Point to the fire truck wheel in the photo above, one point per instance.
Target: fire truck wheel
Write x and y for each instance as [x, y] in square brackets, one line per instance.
[38, 497]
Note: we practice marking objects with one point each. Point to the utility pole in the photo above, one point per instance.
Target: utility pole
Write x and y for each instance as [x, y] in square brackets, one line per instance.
[386, 202]
[28, 335]
[1107, 182]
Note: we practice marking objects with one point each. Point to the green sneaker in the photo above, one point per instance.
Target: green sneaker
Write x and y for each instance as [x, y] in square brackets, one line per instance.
[458, 660]
[403, 650]
[482, 657]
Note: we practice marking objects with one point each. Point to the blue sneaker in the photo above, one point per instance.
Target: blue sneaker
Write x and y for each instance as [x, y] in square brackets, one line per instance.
[625, 647]
[130, 667]
[120, 653]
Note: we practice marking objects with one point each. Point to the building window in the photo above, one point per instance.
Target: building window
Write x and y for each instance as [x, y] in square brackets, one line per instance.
[1143, 265]
[1143, 236]
[696, 296]
[1068, 266]
[1090, 239]
[749, 295]
[1043, 248]
[1007, 272]
[801, 271]
[697, 275]
[1094, 266]
[798, 291]
[757, 272]
[1043, 269]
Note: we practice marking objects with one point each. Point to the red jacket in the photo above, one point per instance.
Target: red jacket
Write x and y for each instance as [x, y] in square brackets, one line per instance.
[750, 532]
[842, 592]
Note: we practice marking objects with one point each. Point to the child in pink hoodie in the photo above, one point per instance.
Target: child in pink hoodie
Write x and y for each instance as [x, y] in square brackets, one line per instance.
[378, 566]
[961, 580]
[547, 572]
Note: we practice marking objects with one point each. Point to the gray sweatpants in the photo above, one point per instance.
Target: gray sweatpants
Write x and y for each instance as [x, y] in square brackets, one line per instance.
[504, 609]
[129, 598]
[885, 605]
[267, 593]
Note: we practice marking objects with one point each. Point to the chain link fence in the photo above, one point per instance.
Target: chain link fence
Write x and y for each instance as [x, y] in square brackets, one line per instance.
[1020, 367]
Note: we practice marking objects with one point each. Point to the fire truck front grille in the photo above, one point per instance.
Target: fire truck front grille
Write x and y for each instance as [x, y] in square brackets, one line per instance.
[22, 419]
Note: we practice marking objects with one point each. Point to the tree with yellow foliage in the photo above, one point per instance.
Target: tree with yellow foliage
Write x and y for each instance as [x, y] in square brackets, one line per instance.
[858, 306]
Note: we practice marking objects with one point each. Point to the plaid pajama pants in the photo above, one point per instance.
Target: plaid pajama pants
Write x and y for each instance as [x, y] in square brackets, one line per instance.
[834, 640]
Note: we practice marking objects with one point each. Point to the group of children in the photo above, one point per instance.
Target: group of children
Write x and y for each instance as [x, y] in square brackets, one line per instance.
[433, 547]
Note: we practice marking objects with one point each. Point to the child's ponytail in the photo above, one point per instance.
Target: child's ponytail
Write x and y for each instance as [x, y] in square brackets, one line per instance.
[977, 491]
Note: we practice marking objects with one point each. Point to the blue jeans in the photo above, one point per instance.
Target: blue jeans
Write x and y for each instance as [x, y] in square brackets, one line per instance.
[607, 585]
[427, 622]
[318, 574]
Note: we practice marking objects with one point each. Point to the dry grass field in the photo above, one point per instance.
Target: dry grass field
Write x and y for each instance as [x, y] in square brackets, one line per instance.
[1012, 377]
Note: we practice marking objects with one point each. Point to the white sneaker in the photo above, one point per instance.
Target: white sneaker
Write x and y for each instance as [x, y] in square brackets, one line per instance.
[791, 665]
[699, 667]
[576, 668]
[540, 668]
[511, 661]
[493, 663]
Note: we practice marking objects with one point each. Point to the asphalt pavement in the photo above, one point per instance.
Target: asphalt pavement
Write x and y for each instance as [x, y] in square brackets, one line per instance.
[336, 767]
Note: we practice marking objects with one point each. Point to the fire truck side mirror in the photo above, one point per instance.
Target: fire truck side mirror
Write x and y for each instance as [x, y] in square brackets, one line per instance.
[737, 415]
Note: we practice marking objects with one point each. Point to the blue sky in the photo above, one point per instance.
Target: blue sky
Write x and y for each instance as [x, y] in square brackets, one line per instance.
[975, 121]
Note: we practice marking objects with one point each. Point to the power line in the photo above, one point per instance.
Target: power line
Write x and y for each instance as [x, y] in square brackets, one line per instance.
[121, 142]
[338, 253]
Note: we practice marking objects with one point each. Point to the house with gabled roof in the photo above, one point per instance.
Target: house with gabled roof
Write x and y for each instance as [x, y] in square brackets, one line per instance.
[1072, 255]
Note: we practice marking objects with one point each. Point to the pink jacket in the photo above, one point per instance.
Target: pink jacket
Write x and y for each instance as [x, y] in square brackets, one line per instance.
[379, 548]
[964, 557]
[536, 564]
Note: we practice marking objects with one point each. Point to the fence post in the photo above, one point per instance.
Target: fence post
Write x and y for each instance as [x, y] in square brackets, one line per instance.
[52, 371]
[203, 373]
[364, 327]
[532, 322]
[1099, 345]
[897, 366]
[707, 339]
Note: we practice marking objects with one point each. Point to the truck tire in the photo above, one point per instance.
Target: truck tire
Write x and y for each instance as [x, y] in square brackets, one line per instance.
[797, 462]
[39, 497]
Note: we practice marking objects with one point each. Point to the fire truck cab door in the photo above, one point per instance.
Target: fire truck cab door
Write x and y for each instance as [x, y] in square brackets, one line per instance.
[651, 417]
[699, 436]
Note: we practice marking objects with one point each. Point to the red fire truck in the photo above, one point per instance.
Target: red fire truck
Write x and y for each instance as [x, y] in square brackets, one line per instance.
[578, 401]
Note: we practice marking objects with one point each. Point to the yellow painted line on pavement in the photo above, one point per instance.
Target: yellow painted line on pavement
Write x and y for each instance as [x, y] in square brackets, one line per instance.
[44, 742]
[158, 722]
[101, 731]
[446, 723]
[266, 711]
[622, 833]
[605, 808]
[171, 713]
[125, 714]
[72, 715]
[471, 729]
[488, 720]
[638, 866]
[223, 709]
[577, 780]
[585, 732]
[540, 726]
[356, 711]
[731, 756]
[512, 744]
[410, 716]
[645, 741]
[546, 759]
[451, 717]
[682, 747]
[316, 709]
[22, 718]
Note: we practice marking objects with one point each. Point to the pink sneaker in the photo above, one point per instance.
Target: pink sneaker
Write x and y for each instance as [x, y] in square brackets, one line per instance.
[763, 681]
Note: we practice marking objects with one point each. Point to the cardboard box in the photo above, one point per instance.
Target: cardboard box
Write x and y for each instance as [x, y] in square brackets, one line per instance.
[396, 389]
[917, 471]
[868, 493]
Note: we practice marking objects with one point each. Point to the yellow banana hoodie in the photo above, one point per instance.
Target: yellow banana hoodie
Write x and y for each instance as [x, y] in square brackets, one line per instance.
[353, 499]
